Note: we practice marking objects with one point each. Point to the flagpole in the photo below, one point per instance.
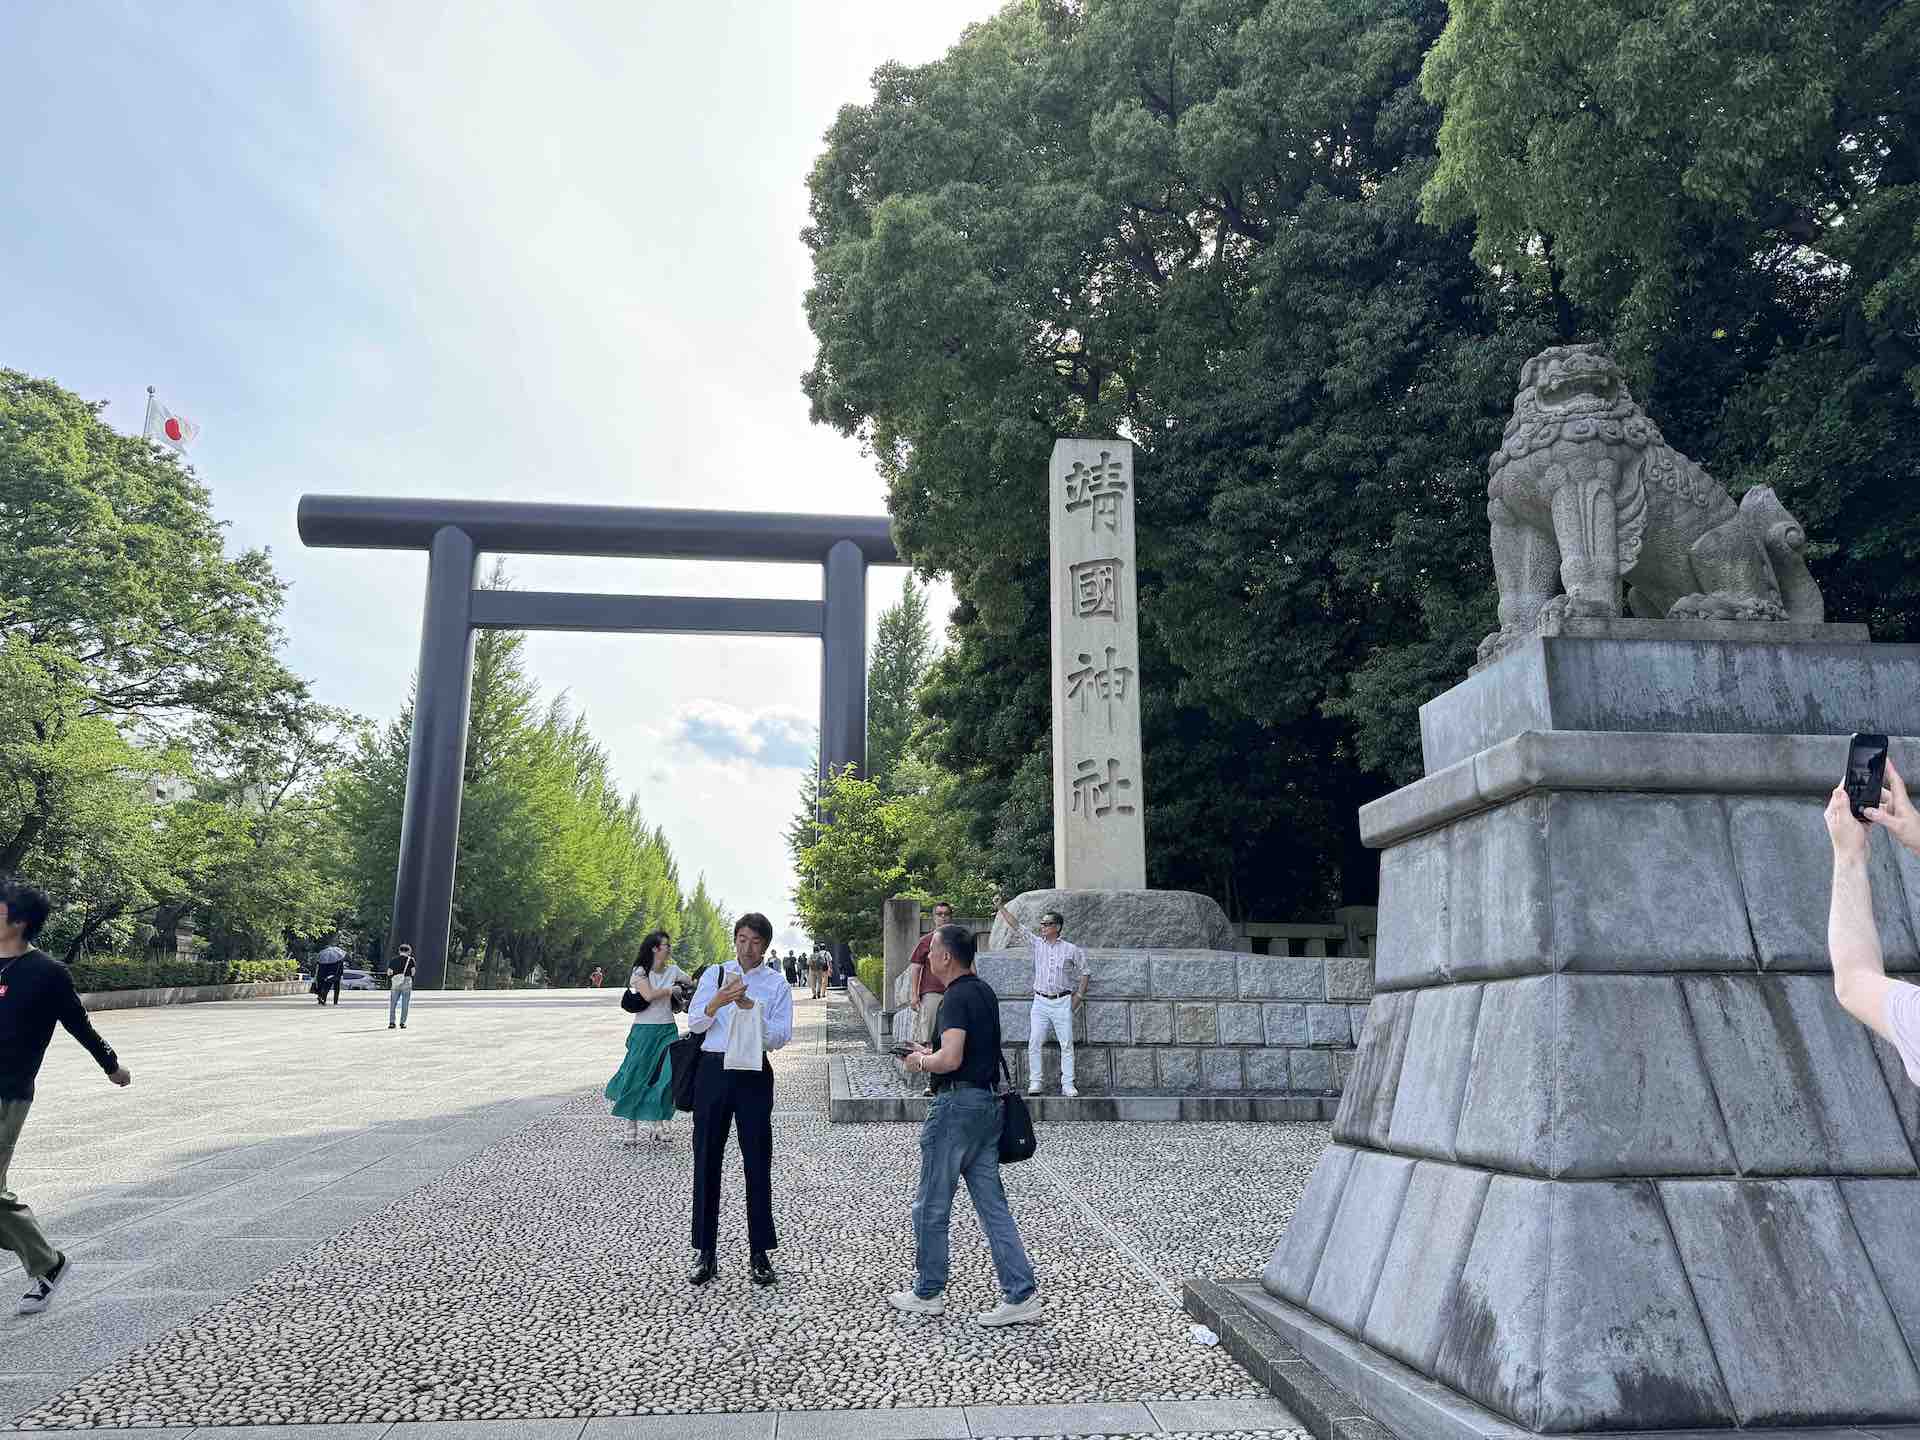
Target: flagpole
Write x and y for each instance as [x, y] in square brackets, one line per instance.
[146, 425]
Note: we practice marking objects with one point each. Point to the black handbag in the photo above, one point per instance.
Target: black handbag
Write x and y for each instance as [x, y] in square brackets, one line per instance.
[1017, 1138]
[685, 1054]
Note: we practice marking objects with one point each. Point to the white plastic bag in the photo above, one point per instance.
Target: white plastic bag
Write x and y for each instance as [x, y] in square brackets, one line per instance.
[746, 1037]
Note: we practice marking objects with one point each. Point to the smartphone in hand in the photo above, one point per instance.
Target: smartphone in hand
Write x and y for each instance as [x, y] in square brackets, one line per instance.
[1866, 772]
[901, 1051]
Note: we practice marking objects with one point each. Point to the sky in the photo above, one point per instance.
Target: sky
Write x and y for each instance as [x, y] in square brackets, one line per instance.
[498, 251]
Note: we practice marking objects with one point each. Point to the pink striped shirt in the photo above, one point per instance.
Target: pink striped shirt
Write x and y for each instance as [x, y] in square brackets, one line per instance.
[1058, 965]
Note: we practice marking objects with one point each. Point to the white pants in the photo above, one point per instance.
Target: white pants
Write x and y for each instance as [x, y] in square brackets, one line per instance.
[1059, 1015]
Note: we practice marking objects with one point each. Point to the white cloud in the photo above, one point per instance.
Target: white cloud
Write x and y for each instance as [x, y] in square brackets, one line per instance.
[778, 737]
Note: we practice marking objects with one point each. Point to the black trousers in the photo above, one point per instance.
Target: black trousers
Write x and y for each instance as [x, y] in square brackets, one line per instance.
[723, 1098]
[329, 979]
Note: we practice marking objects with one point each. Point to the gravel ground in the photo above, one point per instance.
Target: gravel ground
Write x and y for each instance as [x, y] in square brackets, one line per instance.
[545, 1278]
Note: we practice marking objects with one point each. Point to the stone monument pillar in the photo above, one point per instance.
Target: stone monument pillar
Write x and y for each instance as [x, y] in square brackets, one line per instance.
[899, 933]
[1099, 826]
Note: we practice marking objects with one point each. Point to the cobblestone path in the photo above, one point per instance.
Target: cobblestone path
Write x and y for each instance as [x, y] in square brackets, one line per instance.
[475, 1244]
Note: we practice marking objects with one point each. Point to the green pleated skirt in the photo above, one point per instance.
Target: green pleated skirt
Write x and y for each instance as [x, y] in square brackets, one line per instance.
[642, 1088]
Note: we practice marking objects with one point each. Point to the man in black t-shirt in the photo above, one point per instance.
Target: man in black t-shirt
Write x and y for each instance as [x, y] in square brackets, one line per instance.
[35, 992]
[961, 1141]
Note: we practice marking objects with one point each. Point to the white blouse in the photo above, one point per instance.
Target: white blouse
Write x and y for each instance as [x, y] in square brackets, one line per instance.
[660, 1012]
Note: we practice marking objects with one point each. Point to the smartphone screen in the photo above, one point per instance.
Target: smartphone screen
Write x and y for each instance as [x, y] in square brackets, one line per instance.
[1866, 772]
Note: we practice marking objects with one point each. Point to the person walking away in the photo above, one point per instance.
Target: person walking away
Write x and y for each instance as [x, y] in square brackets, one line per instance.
[747, 992]
[399, 987]
[36, 991]
[1888, 1007]
[817, 965]
[1060, 977]
[926, 990]
[642, 1088]
[960, 1140]
[329, 966]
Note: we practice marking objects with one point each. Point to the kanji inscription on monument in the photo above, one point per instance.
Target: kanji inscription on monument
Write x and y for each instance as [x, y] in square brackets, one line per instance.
[1099, 829]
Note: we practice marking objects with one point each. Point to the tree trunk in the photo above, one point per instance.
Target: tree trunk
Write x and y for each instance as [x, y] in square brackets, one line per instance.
[16, 849]
[93, 923]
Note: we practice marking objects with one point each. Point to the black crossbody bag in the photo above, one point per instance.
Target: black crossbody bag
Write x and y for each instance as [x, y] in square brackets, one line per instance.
[1017, 1138]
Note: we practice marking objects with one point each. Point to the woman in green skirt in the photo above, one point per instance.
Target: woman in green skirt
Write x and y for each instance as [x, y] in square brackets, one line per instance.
[642, 1088]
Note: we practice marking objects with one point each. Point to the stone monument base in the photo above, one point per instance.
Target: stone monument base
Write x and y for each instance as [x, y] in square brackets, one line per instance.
[1612, 1157]
[1124, 919]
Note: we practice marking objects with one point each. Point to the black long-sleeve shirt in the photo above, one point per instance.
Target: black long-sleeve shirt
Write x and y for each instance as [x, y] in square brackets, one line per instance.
[35, 991]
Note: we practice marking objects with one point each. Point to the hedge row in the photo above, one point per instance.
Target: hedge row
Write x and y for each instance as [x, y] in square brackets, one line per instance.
[111, 972]
[873, 974]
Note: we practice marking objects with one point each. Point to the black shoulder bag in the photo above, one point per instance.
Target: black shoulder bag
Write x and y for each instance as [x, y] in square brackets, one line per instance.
[685, 1055]
[1017, 1138]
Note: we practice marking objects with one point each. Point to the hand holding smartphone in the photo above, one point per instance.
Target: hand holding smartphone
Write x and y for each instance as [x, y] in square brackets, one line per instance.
[1866, 772]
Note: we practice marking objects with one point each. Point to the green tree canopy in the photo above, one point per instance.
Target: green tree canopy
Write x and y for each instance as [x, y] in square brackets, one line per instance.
[902, 650]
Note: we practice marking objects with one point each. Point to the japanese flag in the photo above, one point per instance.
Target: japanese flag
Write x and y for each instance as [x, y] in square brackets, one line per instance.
[168, 428]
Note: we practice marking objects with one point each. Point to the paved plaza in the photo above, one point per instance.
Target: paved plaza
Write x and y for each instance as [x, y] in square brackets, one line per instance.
[298, 1218]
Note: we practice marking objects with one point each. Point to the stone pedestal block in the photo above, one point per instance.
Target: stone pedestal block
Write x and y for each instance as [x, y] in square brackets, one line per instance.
[899, 934]
[1611, 1157]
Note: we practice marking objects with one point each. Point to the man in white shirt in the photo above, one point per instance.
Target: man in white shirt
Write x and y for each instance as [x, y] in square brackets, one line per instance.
[1891, 1008]
[1060, 976]
[750, 992]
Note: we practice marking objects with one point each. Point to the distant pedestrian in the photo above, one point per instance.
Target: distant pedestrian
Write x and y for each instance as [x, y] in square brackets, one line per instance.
[642, 1088]
[329, 966]
[1060, 977]
[791, 966]
[817, 964]
[400, 985]
[926, 987]
[36, 991]
[960, 1140]
[597, 978]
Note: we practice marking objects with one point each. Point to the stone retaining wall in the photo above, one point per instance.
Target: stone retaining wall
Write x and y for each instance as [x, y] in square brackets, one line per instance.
[1197, 1020]
[189, 994]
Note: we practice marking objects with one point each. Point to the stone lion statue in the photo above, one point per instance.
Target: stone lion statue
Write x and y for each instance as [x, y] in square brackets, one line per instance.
[1584, 494]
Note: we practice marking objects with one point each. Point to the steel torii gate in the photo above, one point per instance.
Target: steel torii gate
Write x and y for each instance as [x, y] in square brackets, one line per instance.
[455, 532]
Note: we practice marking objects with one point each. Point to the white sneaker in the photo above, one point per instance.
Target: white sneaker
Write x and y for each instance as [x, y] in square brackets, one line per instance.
[1027, 1312]
[1034, 1089]
[913, 1305]
[1069, 1092]
[40, 1294]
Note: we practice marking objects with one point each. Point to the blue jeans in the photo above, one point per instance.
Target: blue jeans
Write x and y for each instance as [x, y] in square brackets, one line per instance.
[961, 1141]
[398, 1000]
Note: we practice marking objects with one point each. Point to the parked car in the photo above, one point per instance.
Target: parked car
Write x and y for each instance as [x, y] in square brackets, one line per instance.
[356, 980]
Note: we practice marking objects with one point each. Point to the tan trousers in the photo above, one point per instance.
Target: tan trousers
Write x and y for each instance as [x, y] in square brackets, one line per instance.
[924, 1014]
[19, 1231]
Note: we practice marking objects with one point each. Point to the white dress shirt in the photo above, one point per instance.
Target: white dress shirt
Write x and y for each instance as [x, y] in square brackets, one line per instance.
[766, 987]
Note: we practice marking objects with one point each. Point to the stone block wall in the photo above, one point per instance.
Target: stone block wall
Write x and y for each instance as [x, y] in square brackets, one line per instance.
[1196, 1020]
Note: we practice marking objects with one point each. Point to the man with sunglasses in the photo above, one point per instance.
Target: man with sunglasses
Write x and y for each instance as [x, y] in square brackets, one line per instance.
[1060, 976]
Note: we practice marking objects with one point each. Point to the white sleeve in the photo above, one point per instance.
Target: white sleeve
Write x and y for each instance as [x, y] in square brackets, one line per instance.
[1903, 1019]
[780, 1018]
[698, 1020]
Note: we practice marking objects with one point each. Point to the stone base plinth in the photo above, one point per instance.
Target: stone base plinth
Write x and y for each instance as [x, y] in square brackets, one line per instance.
[1125, 919]
[1660, 676]
[1612, 1157]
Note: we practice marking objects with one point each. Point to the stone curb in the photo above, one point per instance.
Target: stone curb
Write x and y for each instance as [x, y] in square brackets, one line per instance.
[1326, 1410]
[189, 994]
[846, 1108]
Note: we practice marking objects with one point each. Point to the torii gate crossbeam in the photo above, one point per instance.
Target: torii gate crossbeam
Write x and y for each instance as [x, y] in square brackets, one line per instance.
[455, 532]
